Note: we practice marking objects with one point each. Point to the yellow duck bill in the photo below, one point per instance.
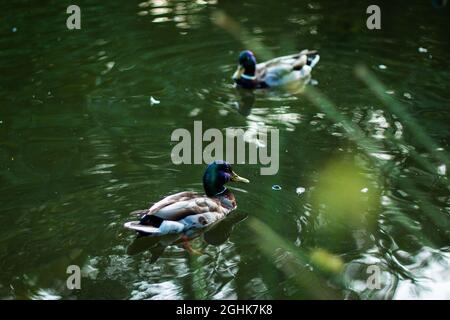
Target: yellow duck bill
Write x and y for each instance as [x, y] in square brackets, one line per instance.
[238, 73]
[236, 178]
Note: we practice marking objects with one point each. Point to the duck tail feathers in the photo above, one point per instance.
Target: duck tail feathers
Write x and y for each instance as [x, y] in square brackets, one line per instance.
[143, 229]
[313, 60]
[166, 227]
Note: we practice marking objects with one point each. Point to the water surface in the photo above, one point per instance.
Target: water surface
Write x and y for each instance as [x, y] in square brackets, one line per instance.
[81, 147]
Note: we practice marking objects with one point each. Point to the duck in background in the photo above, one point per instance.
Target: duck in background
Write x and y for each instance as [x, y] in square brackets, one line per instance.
[279, 72]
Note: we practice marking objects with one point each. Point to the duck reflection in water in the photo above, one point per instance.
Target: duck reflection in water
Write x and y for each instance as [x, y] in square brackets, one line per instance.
[245, 99]
[215, 235]
[245, 102]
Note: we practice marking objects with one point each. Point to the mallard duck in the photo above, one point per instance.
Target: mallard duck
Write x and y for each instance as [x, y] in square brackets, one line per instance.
[281, 71]
[187, 212]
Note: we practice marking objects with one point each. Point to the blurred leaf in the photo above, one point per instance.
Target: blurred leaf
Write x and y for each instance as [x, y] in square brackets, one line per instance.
[327, 261]
[294, 263]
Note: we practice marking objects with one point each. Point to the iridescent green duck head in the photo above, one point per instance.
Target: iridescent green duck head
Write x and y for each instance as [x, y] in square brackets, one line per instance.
[217, 174]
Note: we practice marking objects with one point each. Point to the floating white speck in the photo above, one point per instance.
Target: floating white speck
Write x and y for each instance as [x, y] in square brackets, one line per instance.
[422, 50]
[442, 169]
[153, 101]
[110, 65]
[314, 82]
[382, 67]
[195, 112]
[390, 92]
[364, 190]
[300, 190]
[320, 115]
[276, 187]
[407, 95]
[14, 29]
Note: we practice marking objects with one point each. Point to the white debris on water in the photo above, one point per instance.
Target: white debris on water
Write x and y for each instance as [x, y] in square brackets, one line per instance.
[364, 190]
[422, 50]
[194, 112]
[320, 115]
[442, 170]
[382, 67]
[109, 65]
[407, 95]
[300, 190]
[153, 101]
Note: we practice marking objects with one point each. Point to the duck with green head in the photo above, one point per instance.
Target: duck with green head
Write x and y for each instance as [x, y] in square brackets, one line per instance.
[189, 211]
[278, 72]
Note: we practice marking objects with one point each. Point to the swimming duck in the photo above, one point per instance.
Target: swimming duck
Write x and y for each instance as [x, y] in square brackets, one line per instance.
[281, 71]
[187, 212]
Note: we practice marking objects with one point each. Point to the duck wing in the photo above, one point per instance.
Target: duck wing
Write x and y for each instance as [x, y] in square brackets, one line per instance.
[288, 59]
[166, 209]
[181, 196]
[278, 71]
[178, 206]
[169, 200]
[193, 206]
[287, 69]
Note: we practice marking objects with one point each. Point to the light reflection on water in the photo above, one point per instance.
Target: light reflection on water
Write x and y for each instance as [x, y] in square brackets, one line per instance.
[81, 146]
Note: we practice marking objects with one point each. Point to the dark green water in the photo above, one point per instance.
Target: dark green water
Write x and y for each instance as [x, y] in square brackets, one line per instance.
[81, 147]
